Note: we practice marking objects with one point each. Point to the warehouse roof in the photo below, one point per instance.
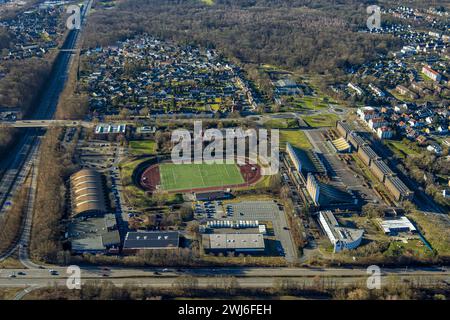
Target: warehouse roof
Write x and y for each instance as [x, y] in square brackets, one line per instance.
[401, 187]
[395, 224]
[92, 235]
[234, 241]
[340, 233]
[151, 240]
[383, 167]
[87, 192]
[344, 126]
[369, 151]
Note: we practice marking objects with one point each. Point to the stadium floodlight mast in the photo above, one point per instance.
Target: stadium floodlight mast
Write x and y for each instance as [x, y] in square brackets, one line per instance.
[258, 147]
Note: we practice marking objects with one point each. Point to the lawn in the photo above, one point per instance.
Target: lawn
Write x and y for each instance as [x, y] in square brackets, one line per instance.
[411, 248]
[400, 149]
[435, 230]
[134, 196]
[296, 138]
[141, 147]
[321, 120]
[281, 124]
[192, 176]
[208, 2]
[311, 103]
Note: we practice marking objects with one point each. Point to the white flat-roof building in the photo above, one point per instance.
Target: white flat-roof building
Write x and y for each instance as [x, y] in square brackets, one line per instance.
[342, 238]
[238, 242]
[395, 225]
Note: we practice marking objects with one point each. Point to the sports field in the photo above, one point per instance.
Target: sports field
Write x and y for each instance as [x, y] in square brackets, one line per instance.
[194, 176]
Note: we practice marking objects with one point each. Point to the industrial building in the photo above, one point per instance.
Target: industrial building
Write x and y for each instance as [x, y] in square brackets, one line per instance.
[323, 194]
[305, 162]
[135, 241]
[233, 224]
[367, 155]
[341, 238]
[94, 235]
[234, 242]
[356, 141]
[343, 128]
[398, 189]
[293, 156]
[87, 193]
[393, 226]
[313, 188]
[381, 170]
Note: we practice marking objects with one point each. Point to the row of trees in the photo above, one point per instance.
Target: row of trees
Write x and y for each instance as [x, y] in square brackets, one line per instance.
[7, 138]
[72, 104]
[54, 168]
[11, 221]
[229, 287]
[427, 169]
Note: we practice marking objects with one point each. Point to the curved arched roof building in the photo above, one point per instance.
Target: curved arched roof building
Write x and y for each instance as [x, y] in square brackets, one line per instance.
[87, 192]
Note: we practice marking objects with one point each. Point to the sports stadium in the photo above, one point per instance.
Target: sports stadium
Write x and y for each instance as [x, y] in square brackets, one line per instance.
[170, 177]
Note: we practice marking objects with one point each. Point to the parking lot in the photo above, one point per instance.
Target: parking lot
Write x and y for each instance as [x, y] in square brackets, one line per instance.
[98, 155]
[251, 210]
[342, 175]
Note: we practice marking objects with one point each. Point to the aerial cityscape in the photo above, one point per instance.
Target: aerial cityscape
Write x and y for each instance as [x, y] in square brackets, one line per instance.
[224, 149]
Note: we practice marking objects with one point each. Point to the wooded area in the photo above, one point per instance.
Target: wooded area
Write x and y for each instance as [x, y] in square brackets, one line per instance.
[54, 168]
[228, 287]
[11, 221]
[308, 35]
[7, 139]
[23, 82]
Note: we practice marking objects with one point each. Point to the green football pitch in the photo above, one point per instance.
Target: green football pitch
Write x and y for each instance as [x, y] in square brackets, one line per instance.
[194, 176]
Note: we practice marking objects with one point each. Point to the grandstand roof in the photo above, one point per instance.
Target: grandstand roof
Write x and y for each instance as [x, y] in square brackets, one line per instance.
[341, 144]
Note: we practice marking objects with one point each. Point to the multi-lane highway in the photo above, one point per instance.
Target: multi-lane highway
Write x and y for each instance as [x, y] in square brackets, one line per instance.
[12, 168]
[246, 277]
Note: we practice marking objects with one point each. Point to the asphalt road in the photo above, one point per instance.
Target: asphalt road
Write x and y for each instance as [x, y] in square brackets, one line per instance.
[12, 167]
[247, 277]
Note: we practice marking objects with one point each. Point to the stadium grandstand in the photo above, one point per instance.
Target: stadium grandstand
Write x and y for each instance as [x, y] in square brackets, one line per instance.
[341, 145]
